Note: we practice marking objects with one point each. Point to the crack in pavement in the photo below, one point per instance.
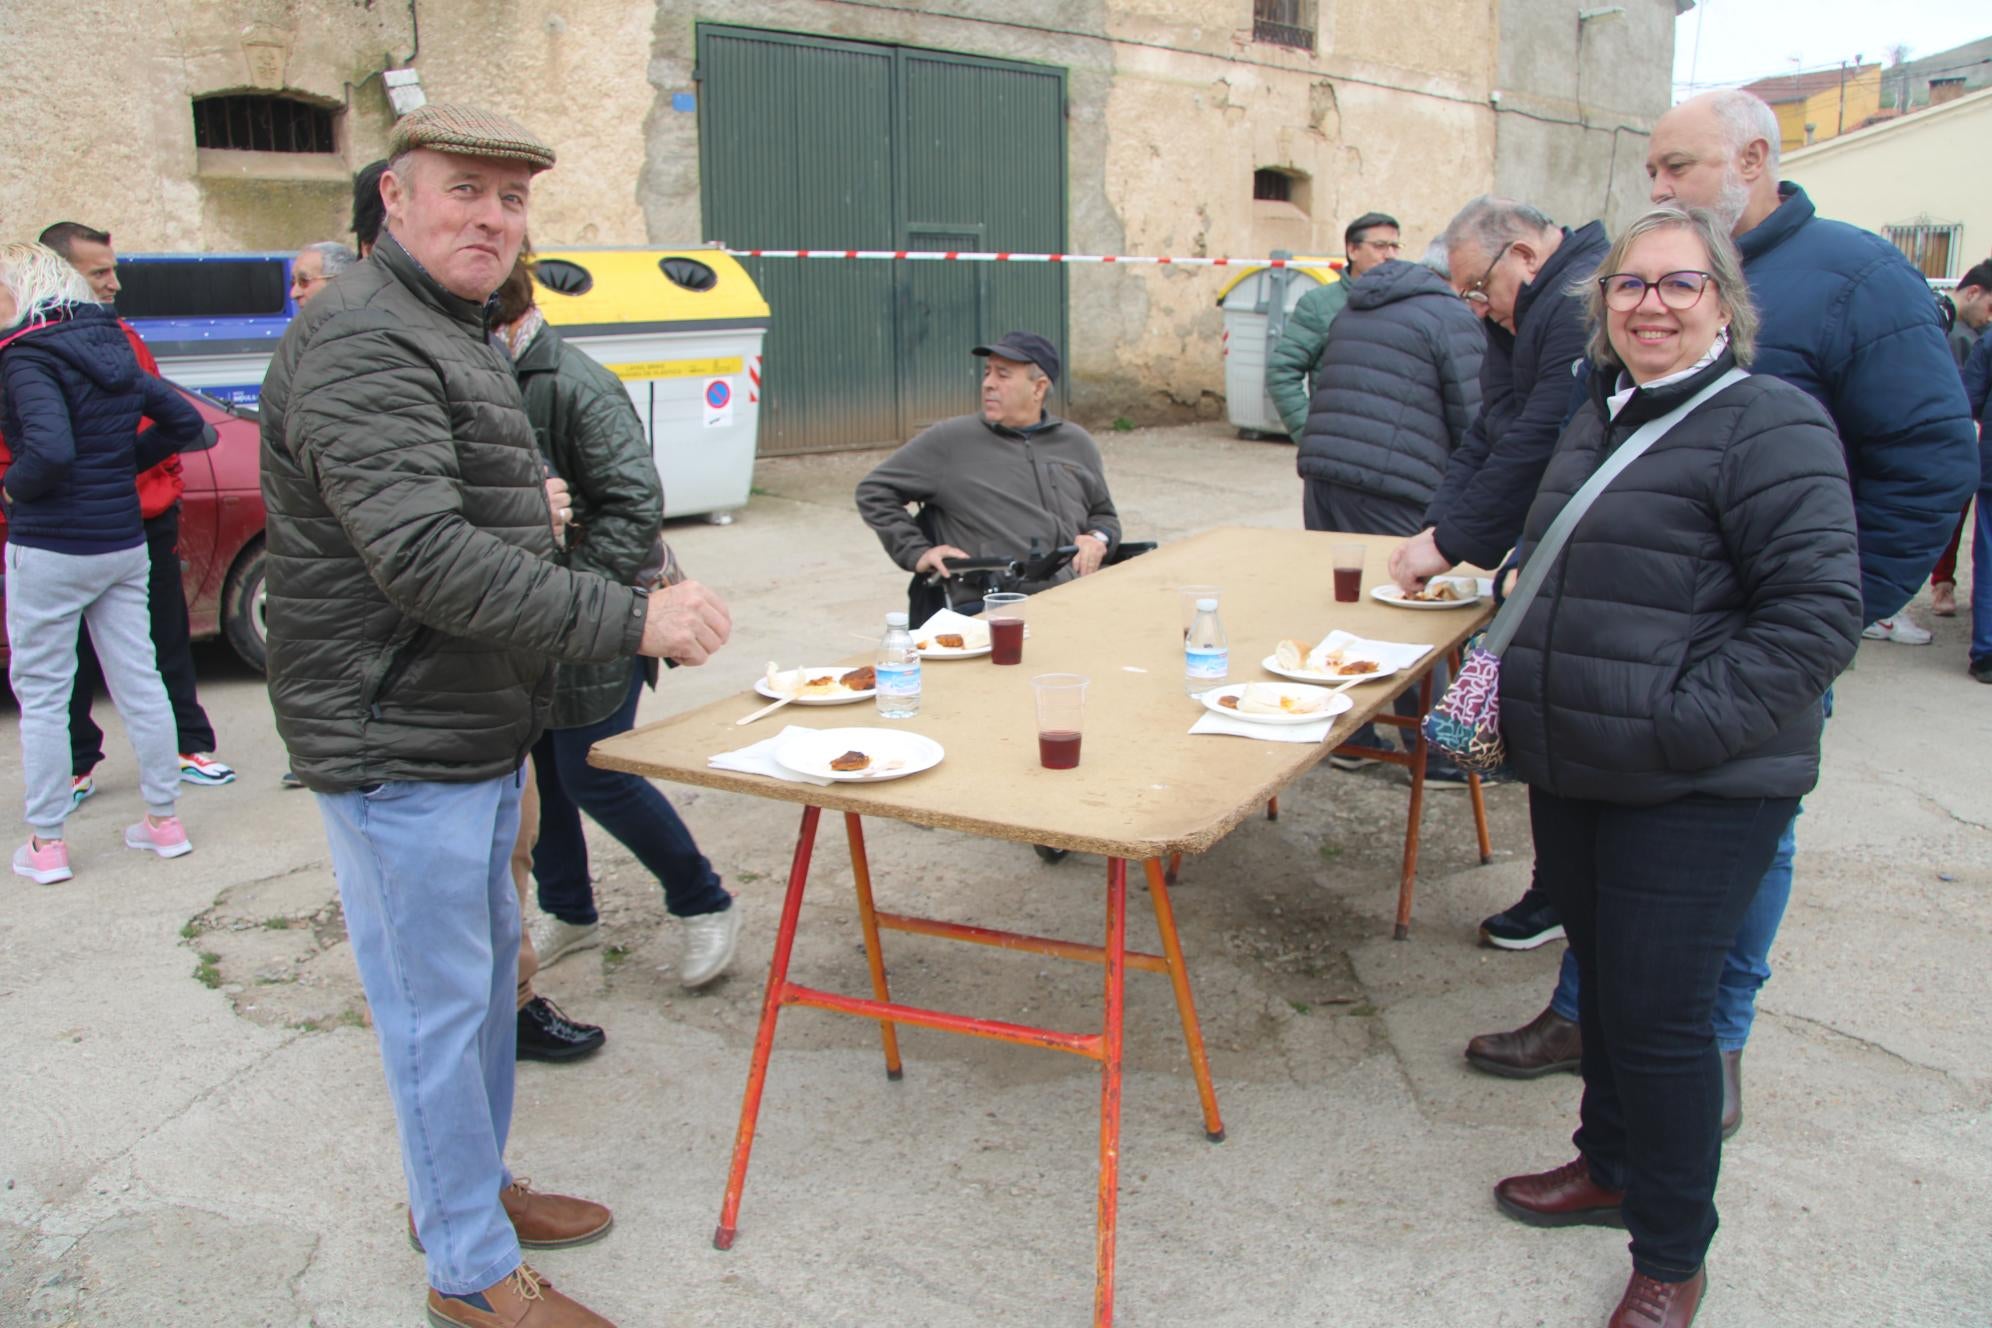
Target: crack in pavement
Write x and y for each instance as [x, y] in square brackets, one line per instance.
[1858, 1040]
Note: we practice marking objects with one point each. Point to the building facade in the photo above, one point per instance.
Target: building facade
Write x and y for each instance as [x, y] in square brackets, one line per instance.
[1177, 127]
[1822, 104]
[1912, 180]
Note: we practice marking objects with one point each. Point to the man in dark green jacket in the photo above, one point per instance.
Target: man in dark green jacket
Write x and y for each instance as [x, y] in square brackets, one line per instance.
[414, 608]
[590, 436]
[1369, 240]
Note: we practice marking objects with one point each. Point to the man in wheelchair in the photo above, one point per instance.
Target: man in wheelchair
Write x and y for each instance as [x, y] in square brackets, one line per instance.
[1008, 491]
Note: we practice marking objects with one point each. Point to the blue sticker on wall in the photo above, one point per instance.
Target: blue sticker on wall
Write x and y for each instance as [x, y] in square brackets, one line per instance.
[684, 101]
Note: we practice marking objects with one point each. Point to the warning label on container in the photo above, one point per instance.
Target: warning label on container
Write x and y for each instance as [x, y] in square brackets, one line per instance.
[729, 364]
[718, 403]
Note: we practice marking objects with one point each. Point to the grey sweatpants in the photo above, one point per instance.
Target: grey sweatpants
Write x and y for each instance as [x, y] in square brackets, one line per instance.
[48, 593]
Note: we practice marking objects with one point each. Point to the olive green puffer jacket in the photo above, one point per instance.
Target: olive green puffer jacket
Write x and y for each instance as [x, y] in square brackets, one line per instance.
[590, 434]
[414, 604]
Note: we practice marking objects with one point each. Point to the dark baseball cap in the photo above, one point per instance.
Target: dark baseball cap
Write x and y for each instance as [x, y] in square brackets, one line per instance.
[1024, 348]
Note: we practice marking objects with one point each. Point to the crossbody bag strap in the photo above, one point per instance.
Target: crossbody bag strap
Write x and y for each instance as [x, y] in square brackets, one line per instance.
[1536, 570]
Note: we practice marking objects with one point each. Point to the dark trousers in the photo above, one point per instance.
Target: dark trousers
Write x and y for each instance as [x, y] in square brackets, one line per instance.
[628, 807]
[1325, 506]
[1651, 898]
[172, 641]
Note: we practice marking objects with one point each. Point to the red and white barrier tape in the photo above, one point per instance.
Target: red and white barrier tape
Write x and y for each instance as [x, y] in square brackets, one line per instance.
[956, 256]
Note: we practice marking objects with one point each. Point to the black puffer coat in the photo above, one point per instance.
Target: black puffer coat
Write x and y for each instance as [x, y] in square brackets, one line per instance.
[70, 410]
[1683, 640]
[1397, 387]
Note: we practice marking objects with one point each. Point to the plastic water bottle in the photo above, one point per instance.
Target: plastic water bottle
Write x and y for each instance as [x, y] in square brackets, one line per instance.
[898, 670]
[1206, 658]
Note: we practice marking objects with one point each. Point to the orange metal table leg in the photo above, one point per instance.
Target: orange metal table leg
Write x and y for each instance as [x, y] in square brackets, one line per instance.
[1175, 868]
[764, 1036]
[1414, 817]
[1179, 977]
[1110, 1095]
[1272, 809]
[854, 830]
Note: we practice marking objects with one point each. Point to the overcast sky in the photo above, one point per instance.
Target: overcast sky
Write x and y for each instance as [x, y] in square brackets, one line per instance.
[1744, 40]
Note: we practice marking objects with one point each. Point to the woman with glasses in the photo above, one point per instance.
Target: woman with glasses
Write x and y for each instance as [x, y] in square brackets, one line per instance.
[1662, 700]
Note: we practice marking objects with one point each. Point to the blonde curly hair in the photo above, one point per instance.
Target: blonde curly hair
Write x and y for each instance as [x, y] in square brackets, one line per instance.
[39, 279]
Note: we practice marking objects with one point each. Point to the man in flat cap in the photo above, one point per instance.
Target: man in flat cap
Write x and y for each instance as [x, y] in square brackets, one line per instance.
[990, 484]
[415, 612]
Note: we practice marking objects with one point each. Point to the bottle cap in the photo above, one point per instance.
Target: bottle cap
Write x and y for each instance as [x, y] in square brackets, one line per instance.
[895, 620]
[1206, 606]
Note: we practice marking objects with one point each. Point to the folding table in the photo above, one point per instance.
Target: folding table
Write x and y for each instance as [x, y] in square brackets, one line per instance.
[1145, 791]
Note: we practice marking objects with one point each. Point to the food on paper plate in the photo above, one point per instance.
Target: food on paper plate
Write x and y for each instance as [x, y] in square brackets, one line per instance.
[1355, 668]
[860, 680]
[1438, 592]
[1291, 655]
[1260, 698]
[950, 640]
[850, 761]
[822, 686]
[1228, 702]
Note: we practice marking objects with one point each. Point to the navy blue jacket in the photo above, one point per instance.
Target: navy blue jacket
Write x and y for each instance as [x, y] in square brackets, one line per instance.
[1527, 389]
[1850, 322]
[73, 396]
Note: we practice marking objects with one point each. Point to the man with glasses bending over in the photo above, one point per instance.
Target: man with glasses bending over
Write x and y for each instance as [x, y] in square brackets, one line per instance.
[1370, 239]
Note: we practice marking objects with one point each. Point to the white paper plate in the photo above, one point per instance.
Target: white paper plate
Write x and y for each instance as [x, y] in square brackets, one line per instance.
[945, 652]
[1391, 595]
[1334, 703]
[1271, 664]
[895, 753]
[841, 696]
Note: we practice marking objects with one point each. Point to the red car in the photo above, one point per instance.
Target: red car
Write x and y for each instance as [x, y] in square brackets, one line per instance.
[221, 532]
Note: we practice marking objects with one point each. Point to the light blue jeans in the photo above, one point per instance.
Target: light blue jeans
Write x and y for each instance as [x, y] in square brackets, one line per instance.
[425, 875]
[1748, 965]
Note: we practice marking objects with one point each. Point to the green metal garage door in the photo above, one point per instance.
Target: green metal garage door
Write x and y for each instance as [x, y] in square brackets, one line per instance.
[807, 143]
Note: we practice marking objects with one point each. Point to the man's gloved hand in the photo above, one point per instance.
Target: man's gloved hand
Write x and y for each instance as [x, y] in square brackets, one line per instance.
[932, 559]
[1092, 552]
[686, 623]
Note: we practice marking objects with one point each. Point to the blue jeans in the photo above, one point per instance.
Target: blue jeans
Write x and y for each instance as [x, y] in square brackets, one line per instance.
[1748, 966]
[628, 807]
[425, 878]
[1981, 575]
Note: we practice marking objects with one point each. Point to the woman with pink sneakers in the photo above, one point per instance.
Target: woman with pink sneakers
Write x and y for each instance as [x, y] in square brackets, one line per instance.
[71, 397]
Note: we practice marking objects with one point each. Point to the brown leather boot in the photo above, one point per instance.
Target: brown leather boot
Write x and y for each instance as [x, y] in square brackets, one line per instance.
[544, 1221]
[520, 1299]
[1565, 1197]
[1732, 1092]
[1544, 1045]
[1651, 1304]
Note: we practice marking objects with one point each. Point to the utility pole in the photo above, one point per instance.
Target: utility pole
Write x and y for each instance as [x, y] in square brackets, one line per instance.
[1843, 100]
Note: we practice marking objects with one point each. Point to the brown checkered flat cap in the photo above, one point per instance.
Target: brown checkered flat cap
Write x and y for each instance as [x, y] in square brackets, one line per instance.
[468, 131]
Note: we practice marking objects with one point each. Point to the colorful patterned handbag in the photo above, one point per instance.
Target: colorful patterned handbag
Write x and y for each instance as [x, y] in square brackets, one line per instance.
[1465, 724]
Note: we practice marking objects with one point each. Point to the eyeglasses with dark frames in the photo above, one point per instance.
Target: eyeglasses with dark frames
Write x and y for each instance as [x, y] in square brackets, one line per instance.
[1626, 291]
[1477, 292]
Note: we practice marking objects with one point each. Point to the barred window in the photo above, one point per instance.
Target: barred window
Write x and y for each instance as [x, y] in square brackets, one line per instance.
[1284, 22]
[258, 123]
[1931, 246]
[1272, 186]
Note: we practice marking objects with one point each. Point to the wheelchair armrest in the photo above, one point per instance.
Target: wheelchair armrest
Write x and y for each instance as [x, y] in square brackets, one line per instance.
[1130, 549]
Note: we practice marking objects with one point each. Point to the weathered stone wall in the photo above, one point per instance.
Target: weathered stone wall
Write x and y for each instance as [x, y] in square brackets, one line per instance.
[1172, 106]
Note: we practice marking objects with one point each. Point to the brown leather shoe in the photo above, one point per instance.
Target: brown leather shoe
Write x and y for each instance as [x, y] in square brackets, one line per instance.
[1732, 1092]
[520, 1299]
[1544, 1045]
[544, 1221]
[1651, 1304]
[1565, 1197]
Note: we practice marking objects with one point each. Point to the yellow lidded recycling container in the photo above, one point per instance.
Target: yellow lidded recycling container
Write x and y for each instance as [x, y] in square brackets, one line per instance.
[683, 330]
[1256, 304]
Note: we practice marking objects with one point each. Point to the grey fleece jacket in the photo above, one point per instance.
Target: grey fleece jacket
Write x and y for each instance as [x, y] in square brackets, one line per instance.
[989, 489]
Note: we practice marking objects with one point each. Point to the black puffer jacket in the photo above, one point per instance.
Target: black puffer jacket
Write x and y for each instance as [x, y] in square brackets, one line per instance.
[414, 606]
[1527, 388]
[1683, 640]
[1397, 387]
[73, 397]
